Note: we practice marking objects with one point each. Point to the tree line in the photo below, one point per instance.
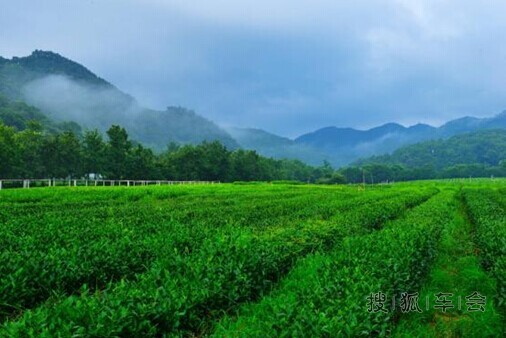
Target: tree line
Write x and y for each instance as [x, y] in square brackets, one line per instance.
[34, 153]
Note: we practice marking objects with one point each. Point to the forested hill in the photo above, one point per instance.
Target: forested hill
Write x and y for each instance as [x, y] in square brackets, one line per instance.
[67, 91]
[477, 154]
[19, 71]
[487, 147]
[22, 116]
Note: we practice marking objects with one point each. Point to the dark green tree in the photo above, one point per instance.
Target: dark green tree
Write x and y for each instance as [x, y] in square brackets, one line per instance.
[246, 166]
[118, 149]
[61, 156]
[29, 143]
[335, 178]
[142, 164]
[8, 152]
[93, 153]
[215, 162]
[188, 163]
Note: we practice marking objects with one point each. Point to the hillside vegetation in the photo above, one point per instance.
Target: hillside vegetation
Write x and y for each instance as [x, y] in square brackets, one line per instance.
[478, 154]
[483, 147]
[67, 91]
[21, 116]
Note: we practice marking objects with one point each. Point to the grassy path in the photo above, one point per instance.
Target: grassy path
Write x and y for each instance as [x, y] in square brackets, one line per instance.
[456, 270]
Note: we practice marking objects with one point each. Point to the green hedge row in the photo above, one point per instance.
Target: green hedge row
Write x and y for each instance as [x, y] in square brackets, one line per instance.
[325, 295]
[56, 252]
[489, 218]
[184, 290]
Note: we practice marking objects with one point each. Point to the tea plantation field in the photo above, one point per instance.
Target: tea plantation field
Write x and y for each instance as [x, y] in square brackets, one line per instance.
[255, 260]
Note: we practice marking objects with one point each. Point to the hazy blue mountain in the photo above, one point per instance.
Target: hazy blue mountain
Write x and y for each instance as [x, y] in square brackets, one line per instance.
[468, 124]
[66, 90]
[333, 137]
[271, 145]
[341, 146]
[347, 144]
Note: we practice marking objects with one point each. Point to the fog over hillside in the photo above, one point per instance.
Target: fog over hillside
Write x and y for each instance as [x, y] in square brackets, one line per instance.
[90, 105]
[67, 91]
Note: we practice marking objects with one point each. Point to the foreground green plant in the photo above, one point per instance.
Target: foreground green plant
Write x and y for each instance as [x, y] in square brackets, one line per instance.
[457, 271]
[184, 291]
[325, 294]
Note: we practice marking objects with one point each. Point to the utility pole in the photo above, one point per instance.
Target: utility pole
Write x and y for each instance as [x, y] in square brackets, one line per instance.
[363, 178]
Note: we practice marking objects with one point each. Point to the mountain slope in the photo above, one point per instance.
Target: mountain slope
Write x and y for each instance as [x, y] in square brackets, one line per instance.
[331, 137]
[22, 116]
[275, 146]
[487, 147]
[349, 144]
[66, 90]
[469, 124]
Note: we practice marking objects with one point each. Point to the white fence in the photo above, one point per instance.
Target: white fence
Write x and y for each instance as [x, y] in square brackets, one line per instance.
[29, 183]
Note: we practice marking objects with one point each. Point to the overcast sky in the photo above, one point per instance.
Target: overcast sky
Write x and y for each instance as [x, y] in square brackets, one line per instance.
[287, 66]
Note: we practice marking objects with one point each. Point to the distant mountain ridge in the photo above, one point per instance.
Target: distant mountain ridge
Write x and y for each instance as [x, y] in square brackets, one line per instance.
[65, 90]
[341, 137]
[341, 146]
[42, 62]
[345, 145]
[467, 124]
[271, 145]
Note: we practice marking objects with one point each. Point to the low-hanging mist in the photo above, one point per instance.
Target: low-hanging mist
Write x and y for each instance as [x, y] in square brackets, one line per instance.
[92, 106]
